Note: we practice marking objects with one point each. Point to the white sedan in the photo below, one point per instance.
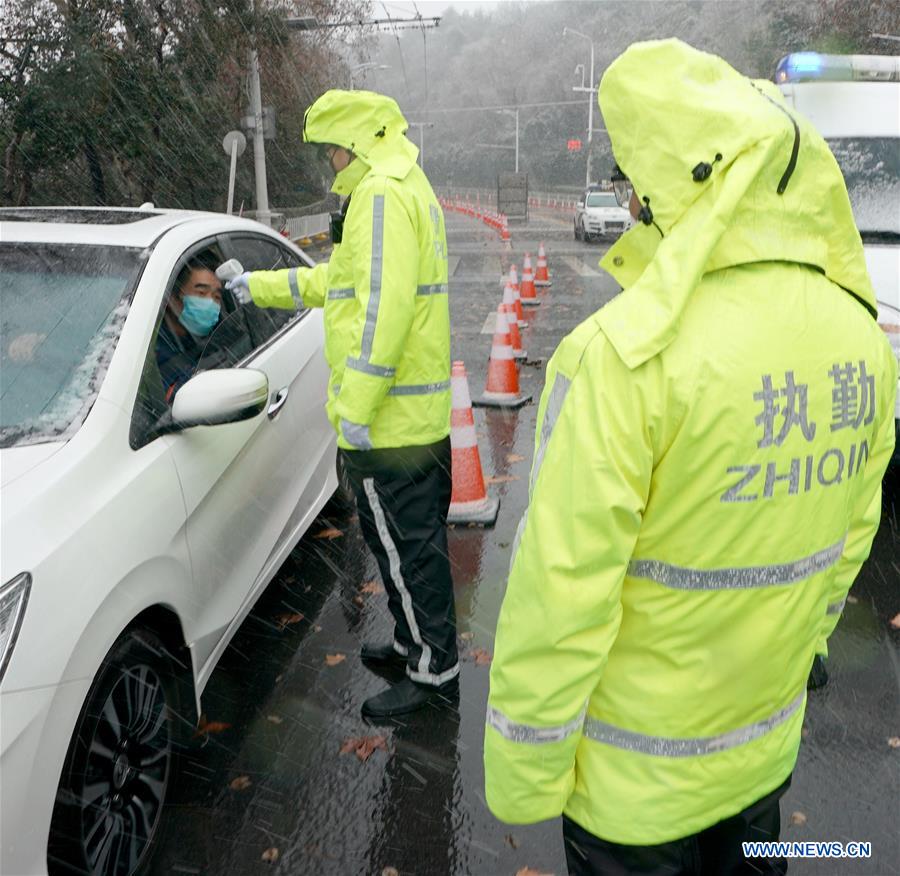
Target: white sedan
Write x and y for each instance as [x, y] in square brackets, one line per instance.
[142, 513]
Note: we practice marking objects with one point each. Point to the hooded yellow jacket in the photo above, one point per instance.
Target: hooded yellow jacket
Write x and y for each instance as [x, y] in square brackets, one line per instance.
[384, 289]
[706, 478]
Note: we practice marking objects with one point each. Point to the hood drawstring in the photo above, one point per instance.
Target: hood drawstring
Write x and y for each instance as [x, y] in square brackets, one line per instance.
[795, 151]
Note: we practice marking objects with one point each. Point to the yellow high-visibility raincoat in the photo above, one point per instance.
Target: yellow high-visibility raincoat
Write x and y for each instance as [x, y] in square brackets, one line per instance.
[384, 289]
[706, 478]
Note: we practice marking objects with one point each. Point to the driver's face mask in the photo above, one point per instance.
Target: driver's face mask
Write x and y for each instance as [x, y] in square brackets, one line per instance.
[199, 314]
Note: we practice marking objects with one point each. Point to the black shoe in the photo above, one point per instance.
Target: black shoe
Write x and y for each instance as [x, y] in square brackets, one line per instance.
[381, 655]
[818, 675]
[407, 696]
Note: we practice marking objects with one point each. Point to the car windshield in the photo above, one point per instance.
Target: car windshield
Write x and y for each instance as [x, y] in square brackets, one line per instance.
[62, 307]
[601, 199]
[871, 168]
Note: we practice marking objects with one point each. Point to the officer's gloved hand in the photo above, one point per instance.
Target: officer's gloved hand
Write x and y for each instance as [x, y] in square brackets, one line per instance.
[356, 435]
[239, 287]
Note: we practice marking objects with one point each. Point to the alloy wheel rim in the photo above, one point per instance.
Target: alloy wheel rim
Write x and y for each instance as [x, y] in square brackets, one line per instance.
[126, 774]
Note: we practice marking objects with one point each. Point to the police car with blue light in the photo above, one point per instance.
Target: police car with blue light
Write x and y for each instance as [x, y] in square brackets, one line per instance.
[854, 102]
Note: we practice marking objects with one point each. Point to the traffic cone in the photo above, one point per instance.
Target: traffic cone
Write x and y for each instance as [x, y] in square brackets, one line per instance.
[529, 296]
[504, 228]
[507, 283]
[542, 274]
[469, 501]
[515, 338]
[502, 389]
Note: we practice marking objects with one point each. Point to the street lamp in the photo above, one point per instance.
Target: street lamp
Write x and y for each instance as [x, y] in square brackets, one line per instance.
[368, 65]
[592, 90]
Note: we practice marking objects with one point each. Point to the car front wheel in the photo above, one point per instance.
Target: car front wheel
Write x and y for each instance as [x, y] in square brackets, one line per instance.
[579, 232]
[119, 764]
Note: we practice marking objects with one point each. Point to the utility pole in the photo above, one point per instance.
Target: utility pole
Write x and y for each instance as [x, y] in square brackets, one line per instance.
[592, 90]
[263, 213]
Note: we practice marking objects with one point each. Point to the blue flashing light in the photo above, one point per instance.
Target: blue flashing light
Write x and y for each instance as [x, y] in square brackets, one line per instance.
[805, 63]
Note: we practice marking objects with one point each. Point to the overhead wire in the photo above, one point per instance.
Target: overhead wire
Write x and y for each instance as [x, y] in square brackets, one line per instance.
[400, 52]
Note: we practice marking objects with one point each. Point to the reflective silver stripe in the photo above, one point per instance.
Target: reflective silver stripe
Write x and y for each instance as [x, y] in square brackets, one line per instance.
[396, 574]
[434, 289]
[561, 385]
[836, 607]
[431, 678]
[368, 368]
[662, 746]
[420, 388]
[402, 650]
[738, 578]
[295, 288]
[530, 734]
[336, 294]
[374, 277]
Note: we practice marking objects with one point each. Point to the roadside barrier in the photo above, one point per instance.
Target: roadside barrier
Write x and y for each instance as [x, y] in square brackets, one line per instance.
[469, 501]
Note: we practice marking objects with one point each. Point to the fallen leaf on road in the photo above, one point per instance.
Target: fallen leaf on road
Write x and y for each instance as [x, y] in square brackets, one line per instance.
[334, 659]
[511, 841]
[467, 636]
[371, 587]
[358, 600]
[205, 727]
[894, 742]
[481, 657]
[317, 629]
[500, 479]
[270, 856]
[515, 457]
[241, 783]
[390, 871]
[285, 620]
[329, 533]
[895, 622]
[852, 600]
[798, 818]
[528, 871]
[363, 746]
[275, 719]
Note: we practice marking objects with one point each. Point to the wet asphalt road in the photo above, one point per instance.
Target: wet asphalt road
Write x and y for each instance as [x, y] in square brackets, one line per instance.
[269, 780]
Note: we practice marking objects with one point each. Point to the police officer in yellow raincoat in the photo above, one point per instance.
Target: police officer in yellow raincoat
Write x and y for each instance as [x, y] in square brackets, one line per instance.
[705, 487]
[387, 340]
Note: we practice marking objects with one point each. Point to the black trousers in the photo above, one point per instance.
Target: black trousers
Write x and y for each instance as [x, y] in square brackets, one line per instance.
[715, 851]
[403, 495]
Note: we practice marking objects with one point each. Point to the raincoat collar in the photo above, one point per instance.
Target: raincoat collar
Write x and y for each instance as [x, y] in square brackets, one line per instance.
[776, 193]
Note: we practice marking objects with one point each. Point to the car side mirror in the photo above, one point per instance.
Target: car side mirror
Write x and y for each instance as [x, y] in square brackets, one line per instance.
[580, 204]
[225, 395]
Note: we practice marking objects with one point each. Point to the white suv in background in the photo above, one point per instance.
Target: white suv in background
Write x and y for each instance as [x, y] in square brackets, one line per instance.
[854, 101]
[597, 212]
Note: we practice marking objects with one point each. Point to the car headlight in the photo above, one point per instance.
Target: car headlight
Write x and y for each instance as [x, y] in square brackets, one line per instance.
[13, 599]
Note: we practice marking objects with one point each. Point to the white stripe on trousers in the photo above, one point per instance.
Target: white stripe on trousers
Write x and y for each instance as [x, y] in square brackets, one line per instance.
[396, 574]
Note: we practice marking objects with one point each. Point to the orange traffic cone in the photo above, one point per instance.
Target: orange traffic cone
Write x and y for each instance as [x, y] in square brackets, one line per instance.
[529, 296]
[469, 501]
[504, 228]
[502, 389]
[515, 338]
[542, 274]
[513, 294]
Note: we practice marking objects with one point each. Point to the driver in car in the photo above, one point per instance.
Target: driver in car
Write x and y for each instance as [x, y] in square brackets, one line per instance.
[192, 313]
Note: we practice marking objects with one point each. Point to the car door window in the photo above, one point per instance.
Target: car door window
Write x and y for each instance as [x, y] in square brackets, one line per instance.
[181, 346]
[257, 253]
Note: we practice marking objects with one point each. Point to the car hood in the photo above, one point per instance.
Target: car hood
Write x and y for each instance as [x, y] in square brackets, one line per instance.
[17, 461]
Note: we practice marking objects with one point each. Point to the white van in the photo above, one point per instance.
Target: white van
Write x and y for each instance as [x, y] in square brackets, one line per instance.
[854, 101]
